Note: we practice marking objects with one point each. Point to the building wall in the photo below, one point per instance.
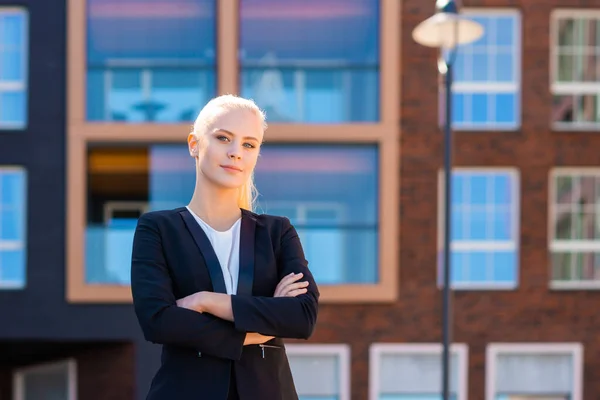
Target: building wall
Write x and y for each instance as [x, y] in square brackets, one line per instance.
[39, 311]
[530, 313]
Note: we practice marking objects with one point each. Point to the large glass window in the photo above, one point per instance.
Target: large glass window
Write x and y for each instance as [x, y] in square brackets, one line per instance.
[575, 245]
[329, 192]
[149, 60]
[486, 88]
[14, 55]
[320, 372]
[413, 371]
[575, 81]
[535, 371]
[56, 381]
[311, 61]
[13, 208]
[484, 229]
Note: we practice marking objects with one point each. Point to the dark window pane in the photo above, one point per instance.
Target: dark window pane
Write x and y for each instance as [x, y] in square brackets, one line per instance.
[150, 60]
[315, 61]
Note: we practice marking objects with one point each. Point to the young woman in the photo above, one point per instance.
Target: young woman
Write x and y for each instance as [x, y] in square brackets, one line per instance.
[216, 284]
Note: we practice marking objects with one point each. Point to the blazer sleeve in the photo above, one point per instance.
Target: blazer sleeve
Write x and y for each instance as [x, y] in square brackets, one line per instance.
[160, 319]
[284, 317]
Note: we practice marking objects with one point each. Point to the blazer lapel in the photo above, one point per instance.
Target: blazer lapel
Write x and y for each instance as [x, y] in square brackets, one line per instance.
[246, 273]
[210, 258]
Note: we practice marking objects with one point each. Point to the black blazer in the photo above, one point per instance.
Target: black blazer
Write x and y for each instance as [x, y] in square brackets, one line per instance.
[173, 258]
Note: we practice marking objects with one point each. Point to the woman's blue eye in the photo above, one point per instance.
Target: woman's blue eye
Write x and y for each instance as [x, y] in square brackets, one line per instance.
[249, 145]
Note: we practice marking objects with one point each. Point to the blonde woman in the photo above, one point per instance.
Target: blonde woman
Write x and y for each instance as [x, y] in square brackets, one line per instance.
[216, 284]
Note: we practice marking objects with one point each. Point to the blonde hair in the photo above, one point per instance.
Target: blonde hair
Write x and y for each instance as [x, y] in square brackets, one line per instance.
[209, 113]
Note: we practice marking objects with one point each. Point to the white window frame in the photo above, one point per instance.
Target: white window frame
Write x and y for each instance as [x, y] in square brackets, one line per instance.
[19, 85]
[16, 244]
[378, 349]
[556, 245]
[495, 87]
[341, 351]
[493, 350]
[481, 245]
[19, 377]
[569, 88]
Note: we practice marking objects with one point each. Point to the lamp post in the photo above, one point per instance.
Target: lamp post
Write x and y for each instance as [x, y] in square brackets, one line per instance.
[445, 30]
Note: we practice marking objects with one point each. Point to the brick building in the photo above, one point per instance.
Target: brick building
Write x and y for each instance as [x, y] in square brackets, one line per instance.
[97, 97]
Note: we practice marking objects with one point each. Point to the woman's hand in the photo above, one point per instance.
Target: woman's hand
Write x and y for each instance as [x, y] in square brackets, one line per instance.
[288, 287]
[193, 302]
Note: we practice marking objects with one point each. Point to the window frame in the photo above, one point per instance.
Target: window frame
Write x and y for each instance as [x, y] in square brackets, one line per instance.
[485, 87]
[342, 351]
[376, 350]
[24, 83]
[385, 133]
[495, 349]
[516, 225]
[19, 377]
[568, 88]
[554, 244]
[19, 244]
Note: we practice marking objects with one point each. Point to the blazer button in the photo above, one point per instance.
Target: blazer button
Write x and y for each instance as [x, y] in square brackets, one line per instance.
[199, 354]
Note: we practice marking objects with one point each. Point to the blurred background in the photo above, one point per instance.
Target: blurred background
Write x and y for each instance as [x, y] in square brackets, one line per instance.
[97, 98]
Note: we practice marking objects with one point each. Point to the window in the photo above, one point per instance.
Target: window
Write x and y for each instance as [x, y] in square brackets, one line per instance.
[13, 208]
[46, 381]
[329, 99]
[534, 371]
[328, 192]
[487, 79]
[575, 224]
[414, 371]
[575, 48]
[14, 52]
[149, 63]
[484, 228]
[320, 371]
[311, 61]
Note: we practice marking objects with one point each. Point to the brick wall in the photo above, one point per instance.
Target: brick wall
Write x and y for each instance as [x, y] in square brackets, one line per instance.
[107, 372]
[530, 313]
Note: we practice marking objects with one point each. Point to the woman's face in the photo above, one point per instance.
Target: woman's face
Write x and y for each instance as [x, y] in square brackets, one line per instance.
[229, 151]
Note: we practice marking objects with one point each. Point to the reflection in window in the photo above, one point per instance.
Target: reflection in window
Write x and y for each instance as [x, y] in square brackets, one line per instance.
[13, 208]
[13, 67]
[328, 192]
[575, 246]
[576, 72]
[484, 229]
[486, 88]
[311, 61]
[150, 61]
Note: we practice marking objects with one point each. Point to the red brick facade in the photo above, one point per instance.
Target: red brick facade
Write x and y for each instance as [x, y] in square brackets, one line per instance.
[532, 312]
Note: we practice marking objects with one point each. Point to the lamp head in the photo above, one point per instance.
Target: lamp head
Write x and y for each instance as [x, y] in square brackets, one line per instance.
[446, 6]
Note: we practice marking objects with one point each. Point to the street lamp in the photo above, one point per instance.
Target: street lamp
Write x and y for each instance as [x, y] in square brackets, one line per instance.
[445, 30]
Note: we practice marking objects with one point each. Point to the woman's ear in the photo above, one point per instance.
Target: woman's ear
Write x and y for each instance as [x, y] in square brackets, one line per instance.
[193, 144]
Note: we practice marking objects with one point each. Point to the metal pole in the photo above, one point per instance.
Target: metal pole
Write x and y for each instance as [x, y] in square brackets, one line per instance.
[447, 216]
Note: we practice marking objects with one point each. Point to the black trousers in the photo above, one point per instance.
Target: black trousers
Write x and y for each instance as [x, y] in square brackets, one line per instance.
[233, 391]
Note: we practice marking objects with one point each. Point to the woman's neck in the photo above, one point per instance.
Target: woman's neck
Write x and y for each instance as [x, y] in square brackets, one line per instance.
[217, 207]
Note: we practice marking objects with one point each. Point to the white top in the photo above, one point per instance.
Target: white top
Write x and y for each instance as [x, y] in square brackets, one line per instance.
[226, 245]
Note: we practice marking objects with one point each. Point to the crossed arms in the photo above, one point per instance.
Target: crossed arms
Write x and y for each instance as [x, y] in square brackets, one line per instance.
[214, 323]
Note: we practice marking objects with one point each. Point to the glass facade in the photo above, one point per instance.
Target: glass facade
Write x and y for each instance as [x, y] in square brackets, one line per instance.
[150, 61]
[486, 89]
[13, 237]
[312, 61]
[329, 192]
[14, 58]
[484, 238]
